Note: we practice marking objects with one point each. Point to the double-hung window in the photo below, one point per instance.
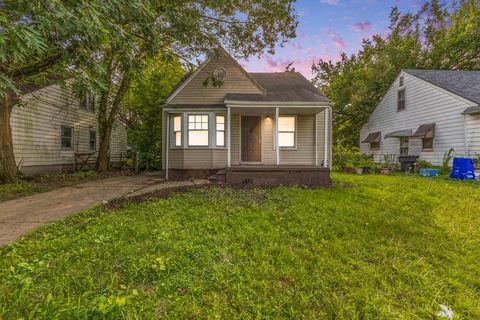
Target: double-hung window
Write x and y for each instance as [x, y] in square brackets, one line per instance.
[93, 140]
[286, 131]
[401, 100]
[220, 131]
[177, 130]
[66, 137]
[198, 130]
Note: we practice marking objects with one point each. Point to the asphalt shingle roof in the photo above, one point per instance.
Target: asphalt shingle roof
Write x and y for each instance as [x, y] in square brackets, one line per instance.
[282, 87]
[465, 84]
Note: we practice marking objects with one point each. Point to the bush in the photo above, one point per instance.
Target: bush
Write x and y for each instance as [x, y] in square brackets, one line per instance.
[445, 169]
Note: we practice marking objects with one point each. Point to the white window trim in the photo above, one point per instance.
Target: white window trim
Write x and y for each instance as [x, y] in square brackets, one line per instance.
[224, 130]
[61, 137]
[295, 133]
[404, 98]
[207, 146]
[174, 142]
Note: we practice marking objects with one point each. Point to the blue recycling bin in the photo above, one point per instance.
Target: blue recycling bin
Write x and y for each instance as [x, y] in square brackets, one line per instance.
[463, 169]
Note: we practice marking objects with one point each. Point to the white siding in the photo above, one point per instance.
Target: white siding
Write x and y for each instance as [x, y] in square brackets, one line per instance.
[36, 129]
[425, 103]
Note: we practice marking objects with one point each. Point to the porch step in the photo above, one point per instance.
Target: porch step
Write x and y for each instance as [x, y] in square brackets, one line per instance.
[218, 177]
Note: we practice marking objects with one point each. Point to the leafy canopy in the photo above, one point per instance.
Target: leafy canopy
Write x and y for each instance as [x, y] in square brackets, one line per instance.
[436, 37]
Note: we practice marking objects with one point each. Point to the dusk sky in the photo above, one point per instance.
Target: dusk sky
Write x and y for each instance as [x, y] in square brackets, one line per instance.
[327, 28]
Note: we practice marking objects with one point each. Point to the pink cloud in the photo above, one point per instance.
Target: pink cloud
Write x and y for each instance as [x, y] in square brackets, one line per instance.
[302, 65]
[296, 45]
[337, 40]
[362, 26]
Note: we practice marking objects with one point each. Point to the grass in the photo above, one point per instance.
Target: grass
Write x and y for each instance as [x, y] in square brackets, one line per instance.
[372, 247]
[31, 185]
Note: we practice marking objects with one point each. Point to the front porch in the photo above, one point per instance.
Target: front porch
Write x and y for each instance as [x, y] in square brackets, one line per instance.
[285, 175]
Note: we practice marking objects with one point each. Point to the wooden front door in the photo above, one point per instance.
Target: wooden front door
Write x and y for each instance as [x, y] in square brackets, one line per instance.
[251, 139]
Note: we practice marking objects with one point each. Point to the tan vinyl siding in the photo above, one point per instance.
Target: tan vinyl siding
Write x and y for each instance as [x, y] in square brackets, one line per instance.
[36, 129]
[235, 82]
[215, 158]
[304, 152]
[425, 103]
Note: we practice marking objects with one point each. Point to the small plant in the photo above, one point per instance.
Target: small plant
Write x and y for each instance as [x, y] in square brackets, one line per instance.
[445, 169]
[422, 164]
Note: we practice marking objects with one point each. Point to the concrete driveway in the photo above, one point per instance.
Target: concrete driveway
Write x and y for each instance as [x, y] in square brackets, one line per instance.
[21, 215]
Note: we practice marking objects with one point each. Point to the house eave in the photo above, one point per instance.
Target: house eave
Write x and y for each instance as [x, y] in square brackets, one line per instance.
[232, 103]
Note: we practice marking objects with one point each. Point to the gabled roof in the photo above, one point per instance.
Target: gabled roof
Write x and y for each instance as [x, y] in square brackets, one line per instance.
[283, 87]
[189, 76]
[465, 84]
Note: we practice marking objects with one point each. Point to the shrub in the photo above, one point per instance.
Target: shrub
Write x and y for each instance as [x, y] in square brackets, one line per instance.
[445, 169]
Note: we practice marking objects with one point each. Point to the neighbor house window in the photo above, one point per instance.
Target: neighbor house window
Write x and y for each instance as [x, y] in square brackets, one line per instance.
[177, 130]
[286, 131]
[404, 146]
[66, 137]
[88, 102]
[401, 100]
[93, 140]
[374, 145]
[220, 131]
[400, 81]
[427, 143]
[198, 130]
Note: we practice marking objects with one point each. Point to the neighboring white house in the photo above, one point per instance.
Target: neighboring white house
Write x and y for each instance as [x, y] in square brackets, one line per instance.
[51, 125]
[425, 113]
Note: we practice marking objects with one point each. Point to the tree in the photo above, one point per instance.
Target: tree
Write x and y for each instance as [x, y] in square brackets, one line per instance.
[180, 28]
[103, 43]
[141, 109]
[435, 37]
[40, 37]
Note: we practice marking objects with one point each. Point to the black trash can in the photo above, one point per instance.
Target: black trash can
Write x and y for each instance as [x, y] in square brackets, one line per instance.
[407, 163]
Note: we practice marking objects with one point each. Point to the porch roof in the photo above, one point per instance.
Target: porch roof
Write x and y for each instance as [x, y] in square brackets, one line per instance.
[282, 87]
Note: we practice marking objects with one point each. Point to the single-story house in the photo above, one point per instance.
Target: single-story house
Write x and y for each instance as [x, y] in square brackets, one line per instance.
[258, 128]
[425, 113]
[55, 132]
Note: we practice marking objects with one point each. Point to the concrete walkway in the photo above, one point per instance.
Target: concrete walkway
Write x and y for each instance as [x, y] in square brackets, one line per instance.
[19, 216]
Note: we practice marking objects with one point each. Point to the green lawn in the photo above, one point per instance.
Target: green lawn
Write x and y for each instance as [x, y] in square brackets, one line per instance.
[372, 247]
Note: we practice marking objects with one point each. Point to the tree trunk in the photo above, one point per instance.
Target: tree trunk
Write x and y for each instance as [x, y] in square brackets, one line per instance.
[103, 160]
[8, 167]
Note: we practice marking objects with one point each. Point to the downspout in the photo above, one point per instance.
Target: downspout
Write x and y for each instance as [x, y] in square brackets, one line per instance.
[167, 144]
[465, 135]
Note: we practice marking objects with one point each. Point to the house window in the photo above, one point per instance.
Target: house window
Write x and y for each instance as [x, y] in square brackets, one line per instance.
[88, 102]
[400, 81]
[220, 131]
[374, 145]
[401, 100]
[198, 130]
[177, 130]
[286, 131]
[93, 140]
[427, 144]
[66, 137]
[404, 146]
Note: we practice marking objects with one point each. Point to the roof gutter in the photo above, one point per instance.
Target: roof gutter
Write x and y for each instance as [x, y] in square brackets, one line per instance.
[277, 103]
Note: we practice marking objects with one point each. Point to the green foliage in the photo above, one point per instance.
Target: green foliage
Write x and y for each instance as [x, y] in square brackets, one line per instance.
[141, 109]
[422, 164]
[447, 157]
[370, 247]
[432, 38]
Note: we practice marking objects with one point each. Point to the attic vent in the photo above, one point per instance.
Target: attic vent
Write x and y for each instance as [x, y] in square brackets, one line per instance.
[219, 74]
[400, 81]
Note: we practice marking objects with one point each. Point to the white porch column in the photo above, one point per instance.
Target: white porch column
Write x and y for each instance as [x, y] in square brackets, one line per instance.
[277, 149]
[325, 150]
[229, 155]
[167, 144]
[316, 139]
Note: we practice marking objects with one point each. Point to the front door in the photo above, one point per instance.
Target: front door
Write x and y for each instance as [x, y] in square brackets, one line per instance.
[251, 139]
